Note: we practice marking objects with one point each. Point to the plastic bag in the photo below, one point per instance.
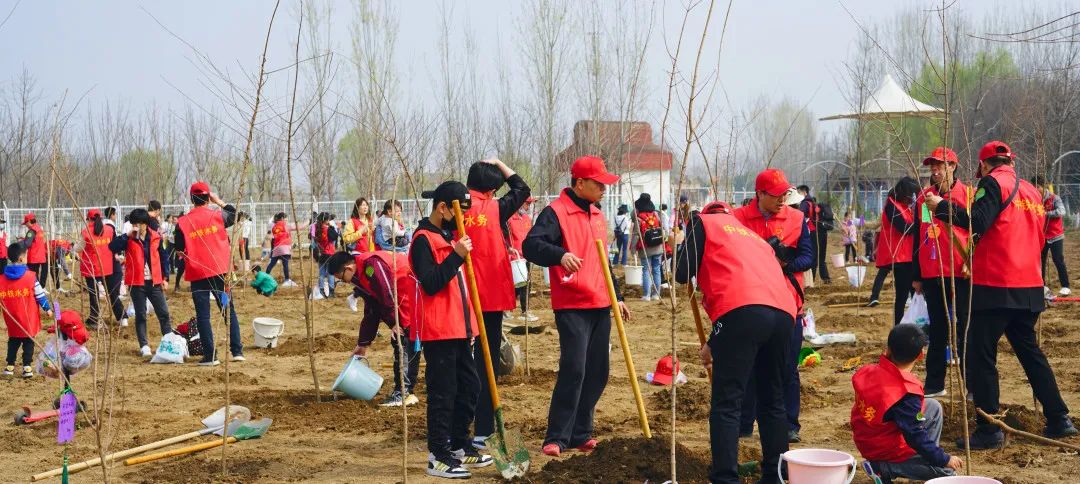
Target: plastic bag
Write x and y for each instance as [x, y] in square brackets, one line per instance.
[916, 312]
[509, 357]
[74, 357]
[172, 349]
[809, 325]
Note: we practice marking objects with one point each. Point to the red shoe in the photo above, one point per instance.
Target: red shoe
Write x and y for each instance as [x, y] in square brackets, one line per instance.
[552, 450]
[588, 446]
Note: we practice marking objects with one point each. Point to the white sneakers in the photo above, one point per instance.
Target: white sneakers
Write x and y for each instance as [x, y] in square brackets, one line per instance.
[351, 301]
[1064, 291]
[528, 317]
[238, 358]
[316, 294]
[124, 323]
[145, 351]
[288, 283]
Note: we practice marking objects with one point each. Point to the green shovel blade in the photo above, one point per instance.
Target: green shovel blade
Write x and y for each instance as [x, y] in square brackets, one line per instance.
[507, 449]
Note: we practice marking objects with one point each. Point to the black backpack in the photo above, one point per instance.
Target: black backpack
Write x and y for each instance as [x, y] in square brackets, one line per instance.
[651, 234]
[826, 220]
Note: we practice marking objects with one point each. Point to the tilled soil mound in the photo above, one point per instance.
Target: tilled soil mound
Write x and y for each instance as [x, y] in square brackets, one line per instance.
[627, 460]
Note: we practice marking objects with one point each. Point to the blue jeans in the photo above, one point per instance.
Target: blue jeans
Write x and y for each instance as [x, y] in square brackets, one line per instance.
[916, 467]
[650, 284]
[622, 242]
[325, 275]
[200, 295]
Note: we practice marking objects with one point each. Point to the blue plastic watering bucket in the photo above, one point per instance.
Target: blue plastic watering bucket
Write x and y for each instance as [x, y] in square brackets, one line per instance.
[357, 380]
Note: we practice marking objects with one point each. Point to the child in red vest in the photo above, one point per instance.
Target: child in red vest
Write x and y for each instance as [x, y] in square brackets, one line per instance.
[378, 276]
[895, 429]
[21, 297]
[447, 326]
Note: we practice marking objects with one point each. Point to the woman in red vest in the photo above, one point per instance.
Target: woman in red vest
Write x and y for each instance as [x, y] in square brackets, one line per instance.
[564, 241]
[281, 247]
[96, 265]
[143, 274]
[939, 266]
[485, 222]
[201, 237]
[447, 327]
[518, 226]
[1007, 218]
[359, 227]
[745, 294]
[1055, 235]
[894, 245]
[37, 252]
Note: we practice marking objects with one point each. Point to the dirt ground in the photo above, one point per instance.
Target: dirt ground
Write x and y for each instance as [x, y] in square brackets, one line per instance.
[352, 441]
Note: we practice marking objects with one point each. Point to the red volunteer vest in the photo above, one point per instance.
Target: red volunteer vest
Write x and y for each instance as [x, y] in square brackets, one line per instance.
[402, 273]
[281, 235]
[134, 261]
[787, 225]
[96, 260]
[3, 245]
[21, 311]
[894, 246]
[877, 388]
[586, 288]
[363, 244]
[811, 217]
[325, 245]
[36, 254]
[934, 240]
[448, 313]
[1055, 227]
[1007, 255]
[519, 226]
[491, 260]
[206, 245]
[739, 269]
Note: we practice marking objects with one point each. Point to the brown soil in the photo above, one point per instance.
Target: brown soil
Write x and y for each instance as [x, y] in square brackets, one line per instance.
[298, 345]
[626, 460]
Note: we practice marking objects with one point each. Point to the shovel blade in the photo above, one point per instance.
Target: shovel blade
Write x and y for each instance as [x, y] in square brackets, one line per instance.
[252, 429]
[508, 450]
[218, 418]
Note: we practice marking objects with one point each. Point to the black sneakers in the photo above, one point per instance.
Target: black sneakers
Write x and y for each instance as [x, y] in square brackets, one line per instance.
[1061, 428]
[446, 467]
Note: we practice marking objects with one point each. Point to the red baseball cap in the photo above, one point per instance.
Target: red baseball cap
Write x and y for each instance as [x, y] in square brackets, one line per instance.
[592, 168]
[941, 154]
[995, 148]
[93, 212]
[28, 217]
[200, 188]
[72, 326]
[665, 372]
[772, 181]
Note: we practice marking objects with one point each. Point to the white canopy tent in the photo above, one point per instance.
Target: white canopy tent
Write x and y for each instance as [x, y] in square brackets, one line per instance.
[888, 100]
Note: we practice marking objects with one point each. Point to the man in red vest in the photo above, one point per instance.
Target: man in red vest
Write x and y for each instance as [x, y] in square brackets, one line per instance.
[895, 429]
[749, 301]
[564, 241]
[446, 325]
[1006, 219]
[484, 224]
[787, 232]
[144, 274]
[1055, 235]
[3, 244]
[36, 250]
[939, 267]
[385, 283]
[200, 236]
[518, 226]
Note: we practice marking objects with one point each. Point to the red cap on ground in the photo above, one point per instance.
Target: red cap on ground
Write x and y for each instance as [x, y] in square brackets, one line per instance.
[93, 212]
[72, 326]
[772, 181]
[666, 369]
[592, 168]
[200, 188]
[27, 218]
[995, 148]
[941, 154]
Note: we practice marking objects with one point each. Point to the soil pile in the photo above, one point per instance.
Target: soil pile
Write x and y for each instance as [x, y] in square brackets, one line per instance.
[627, 460]
[297, 345]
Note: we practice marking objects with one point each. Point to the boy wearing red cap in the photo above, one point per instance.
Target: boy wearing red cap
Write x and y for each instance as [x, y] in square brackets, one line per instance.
[22, 300]
[200, 236]
[1006, 218]
[564, 241]
[938, 265]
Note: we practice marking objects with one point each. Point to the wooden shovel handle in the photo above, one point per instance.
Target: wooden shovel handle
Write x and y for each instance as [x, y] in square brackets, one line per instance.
[181, 451]
[474, 295]
[81, 466]
[697, 322]
[643, 419]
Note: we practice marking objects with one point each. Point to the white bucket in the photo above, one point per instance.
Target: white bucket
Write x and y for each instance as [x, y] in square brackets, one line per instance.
[633, 275]
[267, 331]
[547, 277]
[963, 480]
[837, 260]
[818, 466]
[520, 269]
[855, 275]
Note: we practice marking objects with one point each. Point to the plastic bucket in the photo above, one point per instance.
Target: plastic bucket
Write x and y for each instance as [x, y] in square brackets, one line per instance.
[267, 331]
[963, 480]
[855, 275]
[520, 269]
[357, 380]
[633, 275]
[547, 276]
[818, 466]
[837, 260]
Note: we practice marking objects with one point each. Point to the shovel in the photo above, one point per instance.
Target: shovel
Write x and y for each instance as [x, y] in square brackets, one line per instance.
[643, 419]
[508, 450]
[215, 424]
[243, 431]
[697, 321]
